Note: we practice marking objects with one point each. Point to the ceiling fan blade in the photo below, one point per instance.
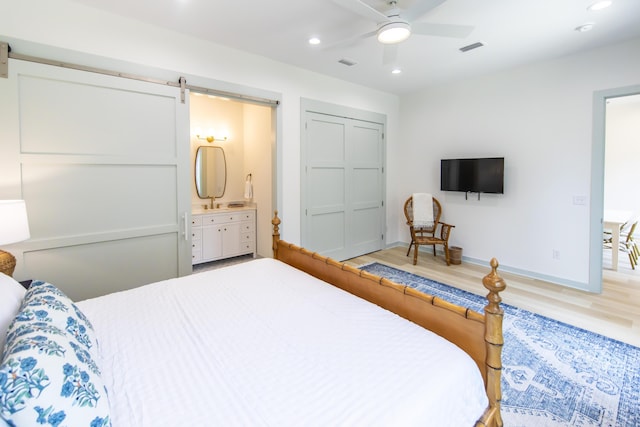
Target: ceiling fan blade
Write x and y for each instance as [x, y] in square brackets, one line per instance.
[390, 54]
[420, 8]
[363, 9]
[442, 30]
[348, 41]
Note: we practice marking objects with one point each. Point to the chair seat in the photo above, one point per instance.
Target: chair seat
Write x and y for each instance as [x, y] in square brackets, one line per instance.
[428, 240]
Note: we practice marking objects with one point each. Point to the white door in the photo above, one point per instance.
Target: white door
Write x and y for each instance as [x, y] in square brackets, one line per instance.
[343, 214]
[103, 164]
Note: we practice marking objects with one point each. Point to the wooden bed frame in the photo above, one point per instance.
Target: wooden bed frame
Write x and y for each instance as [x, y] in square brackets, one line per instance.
[478, 335]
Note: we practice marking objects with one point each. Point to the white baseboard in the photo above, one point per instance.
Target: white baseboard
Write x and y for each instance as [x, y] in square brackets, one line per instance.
[505, 268]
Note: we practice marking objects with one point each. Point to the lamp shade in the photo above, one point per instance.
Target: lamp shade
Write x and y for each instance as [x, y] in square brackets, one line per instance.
[14, 226]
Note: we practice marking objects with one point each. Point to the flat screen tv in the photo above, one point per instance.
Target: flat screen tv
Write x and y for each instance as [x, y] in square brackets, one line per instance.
[485, 175]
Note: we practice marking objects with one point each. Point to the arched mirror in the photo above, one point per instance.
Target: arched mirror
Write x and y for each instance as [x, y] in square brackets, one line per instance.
[211, 172]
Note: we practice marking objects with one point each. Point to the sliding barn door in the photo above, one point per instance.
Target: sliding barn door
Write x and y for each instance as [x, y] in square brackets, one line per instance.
[343, 213]
[103, 165]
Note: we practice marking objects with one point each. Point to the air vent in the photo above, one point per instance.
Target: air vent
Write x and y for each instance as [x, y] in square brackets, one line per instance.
[347, 62]
[471, 47]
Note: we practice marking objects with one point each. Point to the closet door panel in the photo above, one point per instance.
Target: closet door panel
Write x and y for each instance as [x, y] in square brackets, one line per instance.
[326, 185]
[366, 154]
[342, 182]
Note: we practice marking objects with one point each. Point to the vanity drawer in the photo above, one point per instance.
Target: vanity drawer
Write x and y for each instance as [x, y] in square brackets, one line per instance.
[247, 237]
[219, 218]
[247, 247]
[196, 234]
[247, 227]
[196, 252]
[248, 216]
[196, 220]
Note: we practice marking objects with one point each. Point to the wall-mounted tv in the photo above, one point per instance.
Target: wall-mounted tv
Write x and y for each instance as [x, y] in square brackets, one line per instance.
[484, 175]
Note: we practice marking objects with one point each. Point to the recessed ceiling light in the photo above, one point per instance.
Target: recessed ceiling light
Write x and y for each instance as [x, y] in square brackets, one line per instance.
[584, 28]
[314, 41]
[599, 5]
[396, 71]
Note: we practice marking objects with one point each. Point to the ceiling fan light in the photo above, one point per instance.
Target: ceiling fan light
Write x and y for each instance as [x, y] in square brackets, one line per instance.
[394, 32]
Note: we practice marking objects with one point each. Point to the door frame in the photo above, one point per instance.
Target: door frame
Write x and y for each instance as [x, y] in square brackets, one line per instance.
[596, 208]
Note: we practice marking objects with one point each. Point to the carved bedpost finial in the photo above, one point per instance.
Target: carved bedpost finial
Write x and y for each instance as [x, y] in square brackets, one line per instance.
[276, 233]
[494, 284]
[493, 338]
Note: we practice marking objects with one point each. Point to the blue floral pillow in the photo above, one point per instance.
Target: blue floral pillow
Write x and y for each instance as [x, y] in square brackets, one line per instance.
[49, 374]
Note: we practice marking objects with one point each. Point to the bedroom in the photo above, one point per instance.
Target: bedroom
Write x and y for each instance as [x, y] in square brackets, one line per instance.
[496, 109]
[513, 108]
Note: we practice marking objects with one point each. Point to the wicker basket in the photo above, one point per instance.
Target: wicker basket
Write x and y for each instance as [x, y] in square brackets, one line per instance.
[455, 255]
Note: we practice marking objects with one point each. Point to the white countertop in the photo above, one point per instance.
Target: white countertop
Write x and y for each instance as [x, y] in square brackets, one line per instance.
[224, 208]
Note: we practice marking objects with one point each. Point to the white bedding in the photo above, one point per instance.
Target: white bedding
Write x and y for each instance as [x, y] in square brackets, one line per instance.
[262, 343]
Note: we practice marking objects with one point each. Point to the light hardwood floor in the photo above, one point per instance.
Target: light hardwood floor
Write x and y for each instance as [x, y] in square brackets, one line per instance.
[615, 313]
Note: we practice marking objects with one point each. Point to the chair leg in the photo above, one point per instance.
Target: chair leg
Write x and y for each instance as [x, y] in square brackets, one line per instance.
[446, 254]
[410, 245]
[415, 254]
[434, 250]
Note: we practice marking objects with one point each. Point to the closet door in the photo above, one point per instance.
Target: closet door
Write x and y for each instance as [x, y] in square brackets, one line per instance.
[103, 165]
[343, 187]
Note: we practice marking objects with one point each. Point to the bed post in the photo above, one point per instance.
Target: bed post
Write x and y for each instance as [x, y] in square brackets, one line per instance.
[494, 339]
[276, 233]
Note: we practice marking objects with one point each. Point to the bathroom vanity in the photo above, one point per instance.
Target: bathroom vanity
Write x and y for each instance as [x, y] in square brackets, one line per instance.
[222, 233]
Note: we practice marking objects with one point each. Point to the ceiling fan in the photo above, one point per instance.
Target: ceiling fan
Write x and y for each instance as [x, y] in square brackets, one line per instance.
[396, 25]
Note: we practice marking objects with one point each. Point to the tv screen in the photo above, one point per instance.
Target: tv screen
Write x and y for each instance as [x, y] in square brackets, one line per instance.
[484, 175]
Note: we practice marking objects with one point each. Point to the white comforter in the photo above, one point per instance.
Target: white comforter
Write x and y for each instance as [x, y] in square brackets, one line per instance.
[263, 344]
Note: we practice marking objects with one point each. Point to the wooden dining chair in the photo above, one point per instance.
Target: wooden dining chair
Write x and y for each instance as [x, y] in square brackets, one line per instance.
[629, 245]
[428, 235]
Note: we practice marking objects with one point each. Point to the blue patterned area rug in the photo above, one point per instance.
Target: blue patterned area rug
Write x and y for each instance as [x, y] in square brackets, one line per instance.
[553, 374]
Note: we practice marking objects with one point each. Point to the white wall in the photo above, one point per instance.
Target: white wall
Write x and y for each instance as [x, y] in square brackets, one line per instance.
[72, 26]
[539, 117]
[259, 159]
[622, 155]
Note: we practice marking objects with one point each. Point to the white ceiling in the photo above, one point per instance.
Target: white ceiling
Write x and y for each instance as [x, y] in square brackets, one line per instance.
[514, 32]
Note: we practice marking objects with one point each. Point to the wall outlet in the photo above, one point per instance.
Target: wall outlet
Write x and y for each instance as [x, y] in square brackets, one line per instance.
[555, 254]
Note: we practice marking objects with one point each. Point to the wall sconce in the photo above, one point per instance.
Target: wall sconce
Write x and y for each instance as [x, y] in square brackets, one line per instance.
[209, 137]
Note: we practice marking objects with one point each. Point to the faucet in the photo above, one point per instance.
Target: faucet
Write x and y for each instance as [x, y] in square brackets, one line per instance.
[213, 198]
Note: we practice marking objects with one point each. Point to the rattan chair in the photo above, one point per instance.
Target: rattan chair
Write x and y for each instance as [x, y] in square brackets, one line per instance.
[428, 235]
